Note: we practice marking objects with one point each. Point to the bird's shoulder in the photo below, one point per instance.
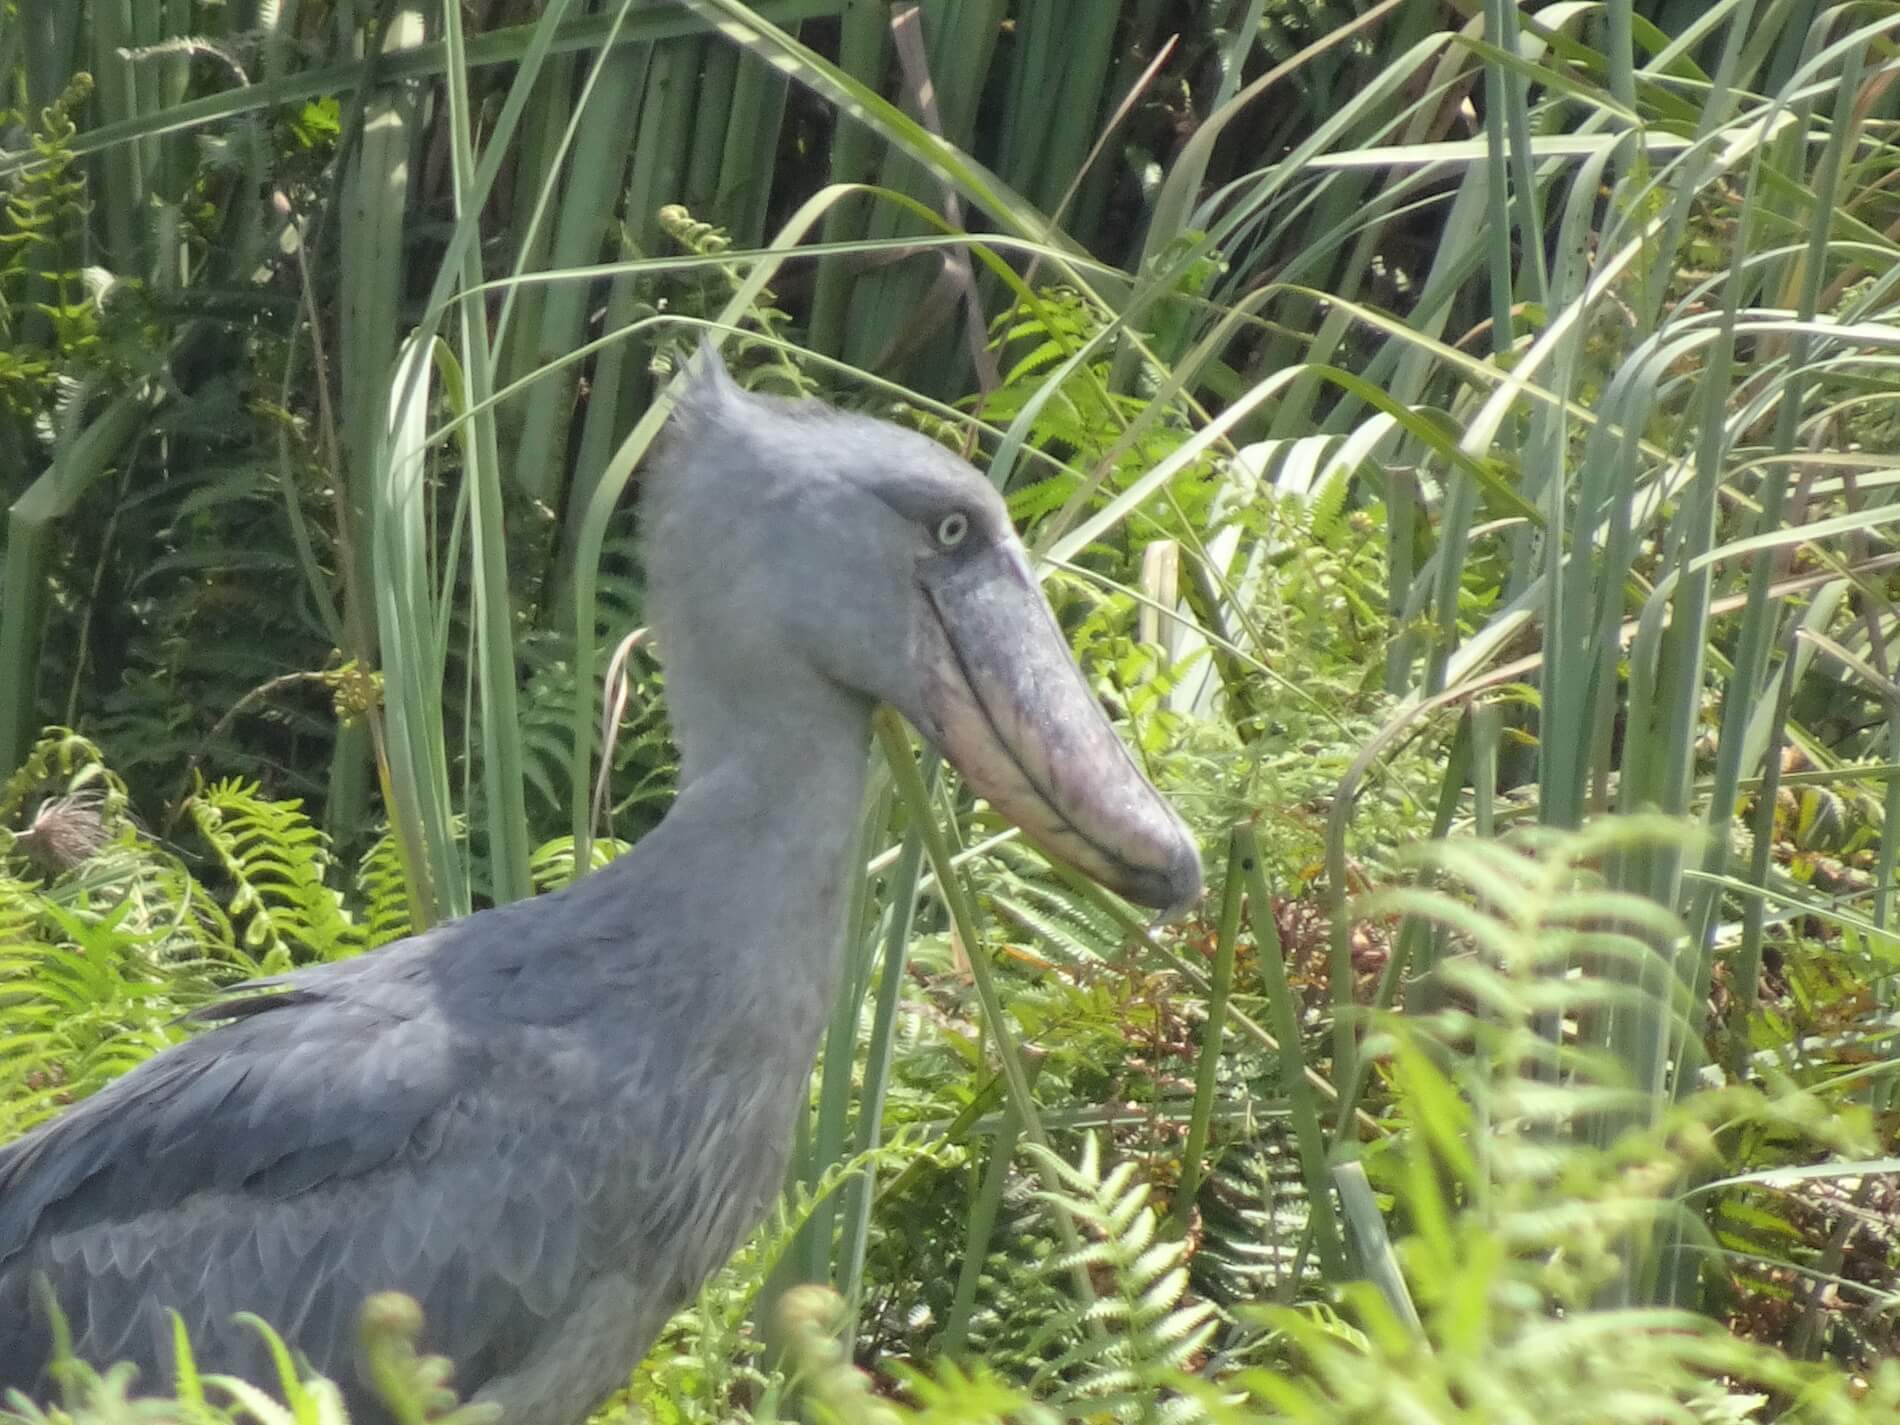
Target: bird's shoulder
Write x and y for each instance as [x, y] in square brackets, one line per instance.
[333, 1070]
[324, 1072]
[217, 1110]
[465, 1114]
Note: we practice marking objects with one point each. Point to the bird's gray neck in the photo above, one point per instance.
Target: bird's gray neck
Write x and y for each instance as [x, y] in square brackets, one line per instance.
[766, 725]
[751, 864]
[771, 792]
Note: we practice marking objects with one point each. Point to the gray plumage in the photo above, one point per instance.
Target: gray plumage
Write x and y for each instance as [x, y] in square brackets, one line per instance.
[550, 1122]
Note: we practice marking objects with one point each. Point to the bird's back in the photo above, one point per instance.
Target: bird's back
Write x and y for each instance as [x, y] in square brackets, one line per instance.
[550, 1171]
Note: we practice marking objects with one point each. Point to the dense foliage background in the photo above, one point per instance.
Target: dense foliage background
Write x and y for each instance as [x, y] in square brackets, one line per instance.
[1459, 438]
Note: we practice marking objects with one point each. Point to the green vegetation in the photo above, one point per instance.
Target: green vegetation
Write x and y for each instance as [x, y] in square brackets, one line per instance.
[1459, 436]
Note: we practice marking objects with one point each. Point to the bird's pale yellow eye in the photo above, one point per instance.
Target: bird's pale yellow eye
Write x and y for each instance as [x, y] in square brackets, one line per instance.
[951, 529]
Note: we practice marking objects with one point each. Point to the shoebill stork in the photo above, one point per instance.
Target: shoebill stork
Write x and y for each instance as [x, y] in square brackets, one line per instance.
[551, 1121]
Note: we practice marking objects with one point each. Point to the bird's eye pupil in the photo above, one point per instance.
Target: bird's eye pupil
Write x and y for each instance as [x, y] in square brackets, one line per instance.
[951, 529]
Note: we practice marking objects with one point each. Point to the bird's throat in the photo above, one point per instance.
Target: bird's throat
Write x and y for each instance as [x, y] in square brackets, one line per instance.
[773, 818]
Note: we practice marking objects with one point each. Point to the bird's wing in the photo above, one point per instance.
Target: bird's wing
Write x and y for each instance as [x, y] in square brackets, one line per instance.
[320, 1146]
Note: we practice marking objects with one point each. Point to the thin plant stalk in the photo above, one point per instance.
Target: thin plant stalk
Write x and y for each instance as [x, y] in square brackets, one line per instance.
[900, 901]
[910, 785]
[1284, 1014]
[980, 1228]
[1213, 1032]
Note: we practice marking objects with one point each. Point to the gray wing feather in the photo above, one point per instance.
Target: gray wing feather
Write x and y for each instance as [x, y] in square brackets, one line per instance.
[454, 1117]
[188, 1183]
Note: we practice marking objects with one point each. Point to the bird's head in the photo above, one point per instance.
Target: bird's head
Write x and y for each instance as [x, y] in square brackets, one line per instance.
[888, 566]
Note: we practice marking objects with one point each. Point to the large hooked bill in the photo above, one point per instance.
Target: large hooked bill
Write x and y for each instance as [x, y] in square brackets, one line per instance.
[1012, 711]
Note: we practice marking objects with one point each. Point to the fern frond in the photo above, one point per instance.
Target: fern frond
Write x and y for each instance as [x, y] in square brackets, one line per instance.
[1253, 1214]
[82, 998]
[1054, 929]
[1032, 502]
[277, 862]
[1143, 1330]
[551, 864]
[381, 883]
[769, 366]
[63, 763]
